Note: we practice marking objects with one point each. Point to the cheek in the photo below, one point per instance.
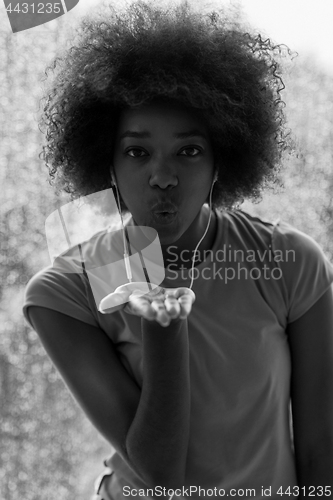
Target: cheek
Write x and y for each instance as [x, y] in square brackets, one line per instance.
[131, 192]
[200, 185]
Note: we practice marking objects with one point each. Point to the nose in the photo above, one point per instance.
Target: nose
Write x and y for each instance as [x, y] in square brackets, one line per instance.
[163, 175]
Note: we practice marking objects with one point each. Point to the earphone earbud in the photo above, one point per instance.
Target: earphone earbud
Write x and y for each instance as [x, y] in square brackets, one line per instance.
[214, 179]
[113, 180]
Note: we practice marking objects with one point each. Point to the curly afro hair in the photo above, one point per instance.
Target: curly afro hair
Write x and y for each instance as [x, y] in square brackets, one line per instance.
[207, 62]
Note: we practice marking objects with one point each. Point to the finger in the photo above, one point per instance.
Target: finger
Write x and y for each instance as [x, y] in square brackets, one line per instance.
[161, 314]
[136, 304]
[129, 310]
[172, 306]
[141, 307]
[185, 302]
[180, 291]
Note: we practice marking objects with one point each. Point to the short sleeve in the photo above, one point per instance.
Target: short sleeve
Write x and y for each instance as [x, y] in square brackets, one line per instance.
[63, 292]
[306, 272]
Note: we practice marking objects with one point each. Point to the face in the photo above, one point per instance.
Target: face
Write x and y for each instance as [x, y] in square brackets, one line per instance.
[163, 163]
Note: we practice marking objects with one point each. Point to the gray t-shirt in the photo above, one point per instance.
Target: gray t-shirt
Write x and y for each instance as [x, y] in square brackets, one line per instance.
[257, 278]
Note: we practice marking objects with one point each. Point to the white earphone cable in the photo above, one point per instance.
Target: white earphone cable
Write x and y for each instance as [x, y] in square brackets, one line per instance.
[126, 254]
[206, 230]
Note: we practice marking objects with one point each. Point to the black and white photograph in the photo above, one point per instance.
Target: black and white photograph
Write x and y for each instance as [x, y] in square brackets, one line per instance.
[166, 249]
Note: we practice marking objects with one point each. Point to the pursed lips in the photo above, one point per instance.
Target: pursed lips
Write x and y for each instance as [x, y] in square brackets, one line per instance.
[164, 207]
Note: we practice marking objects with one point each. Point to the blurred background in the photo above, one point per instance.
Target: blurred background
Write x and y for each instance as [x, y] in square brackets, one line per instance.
[48, 448]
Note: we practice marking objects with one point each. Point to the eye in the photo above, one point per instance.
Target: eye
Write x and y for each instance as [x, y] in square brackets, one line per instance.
[133, 153]
[190, 151]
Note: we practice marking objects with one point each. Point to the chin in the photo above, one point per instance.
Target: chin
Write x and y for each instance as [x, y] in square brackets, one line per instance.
[167, 239]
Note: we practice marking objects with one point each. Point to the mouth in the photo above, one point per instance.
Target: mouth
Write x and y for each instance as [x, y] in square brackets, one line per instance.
[162, 208]
[164, 213]
[164, 217]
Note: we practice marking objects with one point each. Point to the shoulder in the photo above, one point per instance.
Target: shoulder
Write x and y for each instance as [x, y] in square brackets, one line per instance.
[305, 273]
[287, 236]
[61, 291]
[67, 279]
[299, 253]
[277, 233]
[244, 220]
[246, 230]
[79, 278]
[52, 278]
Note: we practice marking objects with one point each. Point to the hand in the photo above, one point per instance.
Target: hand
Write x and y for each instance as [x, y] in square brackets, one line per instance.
[161, 305]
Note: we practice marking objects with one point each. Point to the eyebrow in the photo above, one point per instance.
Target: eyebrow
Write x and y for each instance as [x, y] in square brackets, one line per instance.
[181, 135]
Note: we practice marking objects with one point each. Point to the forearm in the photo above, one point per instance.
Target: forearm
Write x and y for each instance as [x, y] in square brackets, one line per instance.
[157, 440]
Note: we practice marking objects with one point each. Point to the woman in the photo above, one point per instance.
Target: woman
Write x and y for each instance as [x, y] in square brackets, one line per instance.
[182, 114]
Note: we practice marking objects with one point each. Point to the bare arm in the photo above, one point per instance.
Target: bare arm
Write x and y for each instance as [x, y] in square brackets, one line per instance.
[311, 345]
[161, 423]
[148, 428]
